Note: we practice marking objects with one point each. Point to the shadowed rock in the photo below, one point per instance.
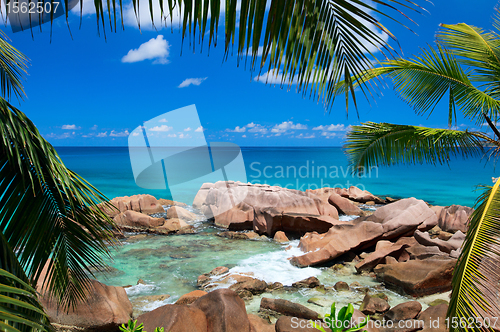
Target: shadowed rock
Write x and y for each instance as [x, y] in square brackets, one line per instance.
[418, 277]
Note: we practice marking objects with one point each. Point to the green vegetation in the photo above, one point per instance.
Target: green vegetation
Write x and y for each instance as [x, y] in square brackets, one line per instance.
[133, 327]
[341, 322]
[464, 68]
[49, 215]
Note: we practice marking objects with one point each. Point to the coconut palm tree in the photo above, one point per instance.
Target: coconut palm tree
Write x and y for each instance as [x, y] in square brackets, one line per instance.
[49, 215]
[464, 69]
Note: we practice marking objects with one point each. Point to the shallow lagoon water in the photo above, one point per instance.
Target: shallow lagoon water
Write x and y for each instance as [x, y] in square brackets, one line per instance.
[171, 264]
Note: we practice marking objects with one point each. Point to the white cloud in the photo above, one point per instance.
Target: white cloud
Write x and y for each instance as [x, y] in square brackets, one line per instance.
[163, 120]
[287, 125]
[70, 127]
[103, 134]
[251, 125]
[199, 129]
[187, 129]
[333, 127]
[172, 135]
[94, 127]
[161, 128]
[156, 49]
[62, 136]
[257, 128]
[135, 134]
[305, 136]
[119, 134]
[238, 129]
[194, 81]
[182, 135]
[244, 136]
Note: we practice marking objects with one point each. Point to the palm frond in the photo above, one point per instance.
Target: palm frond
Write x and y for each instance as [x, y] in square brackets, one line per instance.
[47, 211]
[477, 49]
[311, 43]
[20, 309]
[425, 80]
[13, 65]
[373, 144]
[475, 279]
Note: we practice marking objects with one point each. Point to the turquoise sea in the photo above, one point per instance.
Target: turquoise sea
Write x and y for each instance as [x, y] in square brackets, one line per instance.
[109, 169]
[171, 264]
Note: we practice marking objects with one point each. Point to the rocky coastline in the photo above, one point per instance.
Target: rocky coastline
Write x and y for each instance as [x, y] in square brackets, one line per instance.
[405, 247]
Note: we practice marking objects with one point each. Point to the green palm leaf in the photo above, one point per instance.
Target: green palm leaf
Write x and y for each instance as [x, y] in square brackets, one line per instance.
[477, 49]
[373, 144]
[47, 211]
[311, 43]
[20, 309]
[13, 66]
[475, 279]
[424, 80]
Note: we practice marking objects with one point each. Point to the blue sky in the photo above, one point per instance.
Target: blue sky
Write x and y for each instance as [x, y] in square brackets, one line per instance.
[92, 91]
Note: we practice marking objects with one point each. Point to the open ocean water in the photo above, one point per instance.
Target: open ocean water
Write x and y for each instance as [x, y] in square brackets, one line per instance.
[109, 169]
[171, 264]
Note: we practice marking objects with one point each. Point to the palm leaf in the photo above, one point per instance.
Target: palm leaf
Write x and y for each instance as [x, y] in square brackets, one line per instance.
[477, 49]
[475, 279]
[373, 144]
[47, 211]
[425, 80]
[20, 309]
[311, 43]
[13, 66]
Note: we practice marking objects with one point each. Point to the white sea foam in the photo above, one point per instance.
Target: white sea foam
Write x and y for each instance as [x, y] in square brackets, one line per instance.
[347, 218]
[275, 266]
[140, 289]
[150, 306]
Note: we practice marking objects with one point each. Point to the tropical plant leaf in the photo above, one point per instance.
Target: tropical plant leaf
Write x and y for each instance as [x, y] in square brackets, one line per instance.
[311, 43]
[20, 309]
[13, 65]
[424, 80]
[373, 144]
[47, 211]
[477, 49]
[475, 279]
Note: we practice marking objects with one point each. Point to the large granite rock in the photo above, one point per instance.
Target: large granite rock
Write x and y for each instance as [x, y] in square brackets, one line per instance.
[418, 277]
[454, 218]
[140, 203]
[224, 311]
[258, 324]
[404, 311]
[175, 318]
[434, 318]
[372, 305]
[181, 213]
[358, 195]
[388, 222]
[288, 308]
[264, 208]
[344, 205]
[135, 219]
[191, 297]
[454, 243]
[104, 309]
[383, 250]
